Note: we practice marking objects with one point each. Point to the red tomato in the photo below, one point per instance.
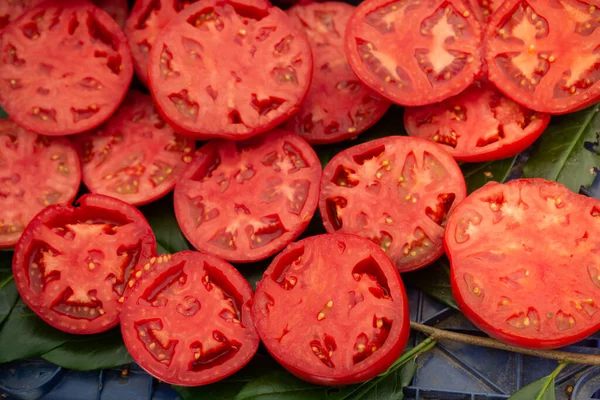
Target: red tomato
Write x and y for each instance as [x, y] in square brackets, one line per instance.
[35, 171]
[480, 124]
[135, 157]
[525, 262]
[338, 105]
[229, 70]
[396, 191]
[189, 322]
[245, 201]
[117, 9]
[414, 52]
[483, 9]
[332, 310]
[73, 264]
[64, 67]
[544, 55]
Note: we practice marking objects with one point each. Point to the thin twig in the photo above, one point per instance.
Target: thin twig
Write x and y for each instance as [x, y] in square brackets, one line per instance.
[562, 356]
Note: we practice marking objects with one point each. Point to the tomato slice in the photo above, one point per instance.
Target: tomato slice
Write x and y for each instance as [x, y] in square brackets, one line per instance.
[525, 262]
[135, 157]
[254, 85]
[332, 310]
[414, 52]
[117, 9]
[40, 87]
[480, 124]
[73, 264]
[189, 322]
[338, 105]
[397, 191]
[35, 171]
[484, 9]
[245, 201]
[544, 55]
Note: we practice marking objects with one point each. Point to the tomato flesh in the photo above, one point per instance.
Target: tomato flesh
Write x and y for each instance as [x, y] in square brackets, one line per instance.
[484, 9]
[117, 9]
[332, 310]
[41, 89]
[338, 106]
[189, 322]
[480, 124]
[72, 265]
[414, 52]
[245, 201]
[135, 156]
[35, 171]
[251, 88]
[545, 56]
[525, 262]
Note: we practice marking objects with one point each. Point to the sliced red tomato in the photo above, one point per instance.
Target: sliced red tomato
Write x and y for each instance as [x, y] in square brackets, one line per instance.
[332, 310]
[544, 55]
[189, 322]
[73, 264]
[245, 201]
[117, 9]
[135, 156]
[41, 87]
[254, 85]
[338, 105]
[525, 262]
[414, 52]
[12, 9]
[35, 171]
[480, 124]
[397, 191]
[484, 9]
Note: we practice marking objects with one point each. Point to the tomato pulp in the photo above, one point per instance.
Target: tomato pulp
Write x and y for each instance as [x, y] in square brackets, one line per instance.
[189, 322]
[338, 106]
[135, 156]
[484, 9]
[40, 87]
[245, 201]
[255, 84]
[525, 262]
[35, 171]
[332, 310]
[396, 191]
[480, 124]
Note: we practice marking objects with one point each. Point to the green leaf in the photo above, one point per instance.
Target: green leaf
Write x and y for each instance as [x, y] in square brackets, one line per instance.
[391, 386]
[542, 389]
[434, 281]
[281, 384]
[560, 154]
[161, 216]
[91, 352]
[25, 335]
[8, 290]
[477, 175]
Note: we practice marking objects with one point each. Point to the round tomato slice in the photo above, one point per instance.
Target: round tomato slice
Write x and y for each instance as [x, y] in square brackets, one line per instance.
[245, 201]
[544, 55]
[40, 87]
[332, 310]
[73, 264]
[480, 124]
[189, 322]
[117, 9]
[35, 171]
[229, 70]
[135, 156]
[414, 52]
[338, 105]
[525, 262]
[396, 191]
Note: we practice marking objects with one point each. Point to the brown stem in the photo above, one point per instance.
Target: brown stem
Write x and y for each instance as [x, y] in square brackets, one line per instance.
[562, 356]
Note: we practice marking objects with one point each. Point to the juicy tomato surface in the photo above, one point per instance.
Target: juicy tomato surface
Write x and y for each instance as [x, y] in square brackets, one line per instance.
[252, 87]
[12, 9]
[189, 322]
[117, 9]
[42, 88]
[525, 262]
[414, 52]
[72, 265]
[544, 54]
[396, 191]
[35, 171]
[245, 201]
[135, 156]
[332, 310]
[479, 124]
[338, 106]
[484, 9]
